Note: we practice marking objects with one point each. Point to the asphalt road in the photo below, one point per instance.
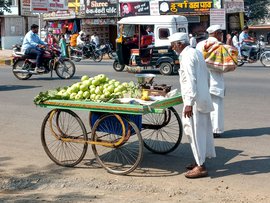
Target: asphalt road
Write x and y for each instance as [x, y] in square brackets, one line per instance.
[243, 156]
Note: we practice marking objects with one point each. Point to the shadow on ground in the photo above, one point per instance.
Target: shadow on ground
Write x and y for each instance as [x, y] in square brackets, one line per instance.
[16, 87]
[246, 132]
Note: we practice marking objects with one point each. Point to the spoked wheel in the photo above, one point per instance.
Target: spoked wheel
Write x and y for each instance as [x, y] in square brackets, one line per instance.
[118, 144]
[265, 59]
[97, 56]
[64, 137]
[20, 65]
[65, 69]
[162, 133]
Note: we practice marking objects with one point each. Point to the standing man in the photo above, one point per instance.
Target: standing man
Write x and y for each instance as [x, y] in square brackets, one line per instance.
[217, 86]
[192, 41]
[32, 45]
[194, 77]
[244, 40]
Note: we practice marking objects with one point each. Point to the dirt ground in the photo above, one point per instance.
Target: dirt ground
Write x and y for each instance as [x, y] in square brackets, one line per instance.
[156, 180]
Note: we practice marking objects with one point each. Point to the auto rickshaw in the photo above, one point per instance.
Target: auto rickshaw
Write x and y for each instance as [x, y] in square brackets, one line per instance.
[135, 47]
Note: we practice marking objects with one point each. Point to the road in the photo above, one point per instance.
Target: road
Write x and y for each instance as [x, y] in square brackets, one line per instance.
[240, 173]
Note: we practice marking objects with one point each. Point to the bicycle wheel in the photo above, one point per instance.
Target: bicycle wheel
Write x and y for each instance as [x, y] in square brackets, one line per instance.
[118, 159]
[60, 124]
[162, 133]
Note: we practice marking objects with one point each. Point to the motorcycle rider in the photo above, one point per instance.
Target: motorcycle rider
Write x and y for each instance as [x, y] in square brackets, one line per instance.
[244, 40]
[32, 45]
[80, 39]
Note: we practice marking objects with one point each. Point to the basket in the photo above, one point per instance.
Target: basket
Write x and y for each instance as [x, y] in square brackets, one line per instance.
[153, 92]
[137, 119]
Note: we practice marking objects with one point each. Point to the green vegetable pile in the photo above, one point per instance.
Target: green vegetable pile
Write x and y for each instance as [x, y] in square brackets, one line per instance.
[99, 89]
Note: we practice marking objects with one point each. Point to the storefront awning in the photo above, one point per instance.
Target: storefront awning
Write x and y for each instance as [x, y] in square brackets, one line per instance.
[259, 27]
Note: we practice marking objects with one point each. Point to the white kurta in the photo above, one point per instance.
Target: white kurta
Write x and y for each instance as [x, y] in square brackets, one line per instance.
[194, 77]
[217, 91]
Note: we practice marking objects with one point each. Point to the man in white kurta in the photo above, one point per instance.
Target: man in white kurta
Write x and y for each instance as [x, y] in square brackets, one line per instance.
[217, 86]
[194, 81]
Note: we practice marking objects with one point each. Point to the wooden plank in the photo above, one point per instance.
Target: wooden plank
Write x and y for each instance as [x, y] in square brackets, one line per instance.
[135, 109]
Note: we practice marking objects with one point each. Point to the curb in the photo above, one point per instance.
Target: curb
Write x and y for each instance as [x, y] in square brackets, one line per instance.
[6, 62]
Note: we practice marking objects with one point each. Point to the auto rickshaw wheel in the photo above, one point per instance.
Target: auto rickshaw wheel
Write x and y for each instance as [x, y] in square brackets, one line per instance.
[117, 66]
[166, 68]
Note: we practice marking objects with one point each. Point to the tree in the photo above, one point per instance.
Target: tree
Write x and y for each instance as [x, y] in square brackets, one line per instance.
[5, 6]
[257, 10]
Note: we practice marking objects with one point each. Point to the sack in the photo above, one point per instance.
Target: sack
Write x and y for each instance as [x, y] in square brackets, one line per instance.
[220, 57]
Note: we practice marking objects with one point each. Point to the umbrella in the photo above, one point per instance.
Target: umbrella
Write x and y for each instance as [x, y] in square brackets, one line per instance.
[75, 27]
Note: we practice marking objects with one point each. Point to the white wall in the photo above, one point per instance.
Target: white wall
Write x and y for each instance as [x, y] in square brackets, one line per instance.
[8, 41]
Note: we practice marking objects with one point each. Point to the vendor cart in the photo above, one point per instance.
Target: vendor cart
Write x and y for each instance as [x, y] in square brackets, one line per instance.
[118, 132]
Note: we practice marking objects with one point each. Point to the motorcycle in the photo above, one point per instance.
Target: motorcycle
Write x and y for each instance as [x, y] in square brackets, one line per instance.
[258, 54]
[24, 65]
[107, 49]
[17, 47]
[86, 51]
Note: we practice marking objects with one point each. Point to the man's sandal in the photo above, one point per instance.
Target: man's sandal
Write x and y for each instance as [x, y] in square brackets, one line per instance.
[191, 166]
[197, 172]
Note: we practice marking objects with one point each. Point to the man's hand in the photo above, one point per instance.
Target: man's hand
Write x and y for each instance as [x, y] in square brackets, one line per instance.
[41, 46]
[188, 111]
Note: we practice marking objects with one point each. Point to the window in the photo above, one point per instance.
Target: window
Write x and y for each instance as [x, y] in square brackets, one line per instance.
[163, 33]
[182, 29]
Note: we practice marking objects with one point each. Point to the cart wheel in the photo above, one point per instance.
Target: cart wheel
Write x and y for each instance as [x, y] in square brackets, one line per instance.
[64, 124]
[162, 133]
[118, 159]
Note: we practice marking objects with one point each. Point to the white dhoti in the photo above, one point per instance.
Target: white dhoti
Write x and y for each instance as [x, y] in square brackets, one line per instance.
[198, 129]
[217, 116]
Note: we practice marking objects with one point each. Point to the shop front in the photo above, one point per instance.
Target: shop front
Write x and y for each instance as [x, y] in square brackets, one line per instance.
[61, 22]
[101, 18]
[234, 14]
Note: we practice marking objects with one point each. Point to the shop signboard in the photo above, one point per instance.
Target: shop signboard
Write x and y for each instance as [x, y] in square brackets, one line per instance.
[25, 8]
[154, 8]
[134, 8]
[39, 6]
[192, 7]
[218, 17]
[99, 21]
[100, 8]
[69, 14]
[235, 6]
[58, 5]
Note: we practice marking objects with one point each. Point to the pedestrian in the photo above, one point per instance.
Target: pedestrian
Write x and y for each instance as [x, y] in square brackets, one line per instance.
[194, 82]
[217, 85]
[51, 39]
[63, 45]
[192, 41]
[235, 42]
[229, 39]
[73, 39]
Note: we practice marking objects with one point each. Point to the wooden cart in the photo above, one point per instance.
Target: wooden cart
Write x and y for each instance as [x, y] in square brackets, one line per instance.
[118, 132]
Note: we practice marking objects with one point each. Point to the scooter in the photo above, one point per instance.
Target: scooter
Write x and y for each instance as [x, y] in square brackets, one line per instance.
[258, 54]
